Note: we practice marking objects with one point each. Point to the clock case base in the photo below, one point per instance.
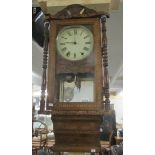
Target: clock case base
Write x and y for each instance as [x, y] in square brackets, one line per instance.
[77, 133]
[75, 148]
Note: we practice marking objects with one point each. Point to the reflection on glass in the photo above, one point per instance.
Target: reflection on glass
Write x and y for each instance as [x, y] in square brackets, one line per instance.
[76, 89]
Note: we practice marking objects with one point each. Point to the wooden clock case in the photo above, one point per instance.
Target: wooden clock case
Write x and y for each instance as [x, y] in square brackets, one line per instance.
[77, 125]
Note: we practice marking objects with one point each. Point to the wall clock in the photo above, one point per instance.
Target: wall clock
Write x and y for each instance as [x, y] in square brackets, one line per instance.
[77, 82]
[75, 42]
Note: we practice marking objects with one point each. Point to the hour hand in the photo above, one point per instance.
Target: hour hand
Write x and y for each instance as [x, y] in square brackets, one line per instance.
[70, 42]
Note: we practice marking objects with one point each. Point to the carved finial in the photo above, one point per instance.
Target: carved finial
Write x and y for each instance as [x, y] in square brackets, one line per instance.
[77, 11]
[103, 18]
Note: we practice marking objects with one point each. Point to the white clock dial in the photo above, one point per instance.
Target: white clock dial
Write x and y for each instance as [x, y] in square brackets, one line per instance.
[75, 42]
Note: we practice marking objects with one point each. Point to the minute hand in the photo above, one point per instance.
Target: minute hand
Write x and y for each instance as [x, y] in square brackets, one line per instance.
[70, 42]
[75, 32]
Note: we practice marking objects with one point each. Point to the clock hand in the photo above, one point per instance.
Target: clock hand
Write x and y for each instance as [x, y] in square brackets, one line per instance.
[74, 38]
[71, 42]
[75, 32]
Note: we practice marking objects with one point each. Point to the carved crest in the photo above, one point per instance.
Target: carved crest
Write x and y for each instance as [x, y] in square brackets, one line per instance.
[77, 11]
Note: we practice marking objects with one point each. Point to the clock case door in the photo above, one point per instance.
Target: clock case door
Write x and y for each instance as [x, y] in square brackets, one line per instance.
[76, 125]
[91, 64]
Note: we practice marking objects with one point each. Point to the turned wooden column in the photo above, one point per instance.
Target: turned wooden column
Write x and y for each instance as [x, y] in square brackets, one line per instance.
[44, 67]
[105, 65]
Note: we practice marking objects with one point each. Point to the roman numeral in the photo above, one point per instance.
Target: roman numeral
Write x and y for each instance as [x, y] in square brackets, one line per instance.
[69, 33]
[81, 33]
[75, 31]
[87, 42]
[62, 43]
[86, 36]
[82, 53]
[64, 49]
[68, 54]
[74, 55]
[86, 48]
[63, 37]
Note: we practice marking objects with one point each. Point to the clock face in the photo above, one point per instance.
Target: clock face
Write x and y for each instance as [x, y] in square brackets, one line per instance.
[75, 42]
